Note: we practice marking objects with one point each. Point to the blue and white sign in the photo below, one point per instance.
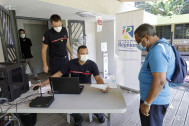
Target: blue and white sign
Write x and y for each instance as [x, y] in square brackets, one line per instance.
[127, 56]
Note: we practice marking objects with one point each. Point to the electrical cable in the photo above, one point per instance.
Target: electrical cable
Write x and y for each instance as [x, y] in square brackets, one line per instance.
[20, 101]
[15, 104]
[2, 99]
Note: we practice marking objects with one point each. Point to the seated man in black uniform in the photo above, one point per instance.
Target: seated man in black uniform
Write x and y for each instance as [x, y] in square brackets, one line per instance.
[82, 68]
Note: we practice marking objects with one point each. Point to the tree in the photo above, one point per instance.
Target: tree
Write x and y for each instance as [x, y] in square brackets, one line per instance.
[166, 7]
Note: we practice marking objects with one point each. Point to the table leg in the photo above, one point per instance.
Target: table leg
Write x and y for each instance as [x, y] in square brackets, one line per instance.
[109, 119]
[15, 117]
[90, 117]
[2, 116]
[12, 119]
[68, 118]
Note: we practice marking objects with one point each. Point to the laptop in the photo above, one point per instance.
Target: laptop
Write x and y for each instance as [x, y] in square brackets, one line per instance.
[65, 85]
[42, 101]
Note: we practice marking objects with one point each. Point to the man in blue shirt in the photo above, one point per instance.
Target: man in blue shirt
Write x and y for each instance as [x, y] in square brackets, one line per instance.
[83, 68]
[159, 63]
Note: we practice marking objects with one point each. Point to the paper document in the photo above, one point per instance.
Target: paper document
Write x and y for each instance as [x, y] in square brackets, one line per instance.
[100, 86]
[45, 89]
[111, 84]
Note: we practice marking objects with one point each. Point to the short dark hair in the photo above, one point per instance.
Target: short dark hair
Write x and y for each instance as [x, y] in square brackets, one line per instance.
[145, 29]
[55, 17]
[81, 47]
[21, 30]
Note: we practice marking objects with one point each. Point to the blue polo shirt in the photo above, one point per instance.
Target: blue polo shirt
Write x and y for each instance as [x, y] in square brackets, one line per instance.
[161, 58]
[84, 71]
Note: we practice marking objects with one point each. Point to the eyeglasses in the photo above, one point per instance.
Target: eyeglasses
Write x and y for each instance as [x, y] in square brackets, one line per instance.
[141, 41]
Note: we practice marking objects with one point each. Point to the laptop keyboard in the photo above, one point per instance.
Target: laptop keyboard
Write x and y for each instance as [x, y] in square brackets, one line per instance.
[42, 101]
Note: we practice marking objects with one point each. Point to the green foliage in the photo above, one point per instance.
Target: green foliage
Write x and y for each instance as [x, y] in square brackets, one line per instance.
[166, 7]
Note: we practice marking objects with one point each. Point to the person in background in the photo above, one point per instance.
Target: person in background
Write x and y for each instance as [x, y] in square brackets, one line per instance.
[57, 40]
[83, 68]
[26, 47]
[159, 64]
[28, 119]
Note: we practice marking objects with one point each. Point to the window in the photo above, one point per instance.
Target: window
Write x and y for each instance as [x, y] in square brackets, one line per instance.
[139, 4]
[186, 31]
[6, 36]
[182, 31]
[179, 31]
[164, 31]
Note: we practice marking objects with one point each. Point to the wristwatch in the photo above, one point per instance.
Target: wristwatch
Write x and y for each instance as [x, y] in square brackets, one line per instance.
[146, 103]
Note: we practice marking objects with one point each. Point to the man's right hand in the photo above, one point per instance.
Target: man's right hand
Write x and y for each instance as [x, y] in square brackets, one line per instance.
[36, 85]
[106, 90]
[45, 69]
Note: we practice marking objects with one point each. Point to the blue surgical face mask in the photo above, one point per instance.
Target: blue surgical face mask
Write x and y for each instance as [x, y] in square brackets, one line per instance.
[140, 47]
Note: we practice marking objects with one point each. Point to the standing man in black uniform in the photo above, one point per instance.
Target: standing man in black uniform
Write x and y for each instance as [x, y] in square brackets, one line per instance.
[83, 68]
[26, 46]
[57, 40]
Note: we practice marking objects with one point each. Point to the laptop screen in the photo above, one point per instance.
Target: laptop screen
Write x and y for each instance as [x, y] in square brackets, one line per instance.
[65, 85]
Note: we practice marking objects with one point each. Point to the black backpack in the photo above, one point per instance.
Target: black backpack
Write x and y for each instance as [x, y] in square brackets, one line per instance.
[180, 69]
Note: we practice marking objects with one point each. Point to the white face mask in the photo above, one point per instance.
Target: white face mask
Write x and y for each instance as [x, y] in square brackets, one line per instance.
[58, 29]
[22, 35]
[84, 58]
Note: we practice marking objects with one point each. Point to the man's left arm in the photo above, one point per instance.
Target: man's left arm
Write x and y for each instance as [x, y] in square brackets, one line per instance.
[159, 80]
[69, 49]
[30, 44]
[100, 81]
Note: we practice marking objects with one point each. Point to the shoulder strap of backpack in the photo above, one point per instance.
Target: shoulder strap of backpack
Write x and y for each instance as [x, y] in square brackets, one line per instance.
[148, 65]
[160, 42]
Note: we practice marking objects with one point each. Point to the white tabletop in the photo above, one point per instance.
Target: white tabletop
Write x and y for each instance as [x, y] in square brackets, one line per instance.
[91, 100]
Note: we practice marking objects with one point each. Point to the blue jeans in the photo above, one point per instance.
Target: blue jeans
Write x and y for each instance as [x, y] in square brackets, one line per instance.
[156, 115]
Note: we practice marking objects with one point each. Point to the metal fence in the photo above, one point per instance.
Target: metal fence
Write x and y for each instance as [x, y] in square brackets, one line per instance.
[77, 35]
[7, 37]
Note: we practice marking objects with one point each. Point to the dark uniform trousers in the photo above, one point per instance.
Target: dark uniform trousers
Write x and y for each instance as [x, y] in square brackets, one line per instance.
[156, 115]
[29, 119]
[56, 63]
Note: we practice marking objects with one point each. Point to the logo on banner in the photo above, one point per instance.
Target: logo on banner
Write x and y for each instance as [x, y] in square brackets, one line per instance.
[128, 32]
[127, 41]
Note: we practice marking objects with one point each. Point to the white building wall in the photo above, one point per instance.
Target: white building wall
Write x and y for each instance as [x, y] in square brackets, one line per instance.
[149, 18]
[107, 35]
[90, 28]
[21, 22]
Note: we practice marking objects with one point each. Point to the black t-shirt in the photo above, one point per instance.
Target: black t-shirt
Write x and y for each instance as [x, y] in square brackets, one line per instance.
[25, 47]
[84, 72]
[57, 42]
